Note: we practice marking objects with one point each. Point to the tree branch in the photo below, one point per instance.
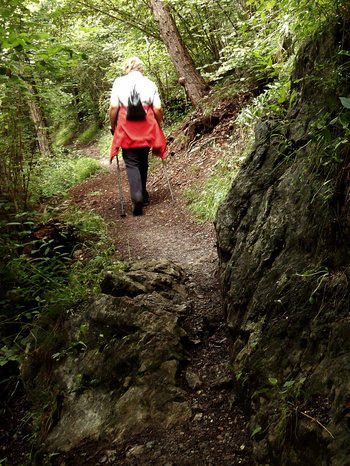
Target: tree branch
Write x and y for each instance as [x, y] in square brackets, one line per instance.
[123, 18]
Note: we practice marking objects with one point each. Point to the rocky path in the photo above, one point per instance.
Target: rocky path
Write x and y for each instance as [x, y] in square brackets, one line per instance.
[217, 431]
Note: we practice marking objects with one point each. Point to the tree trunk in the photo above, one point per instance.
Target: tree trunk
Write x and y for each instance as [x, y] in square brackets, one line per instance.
[39, 122]
[184, 65]
[76, 99]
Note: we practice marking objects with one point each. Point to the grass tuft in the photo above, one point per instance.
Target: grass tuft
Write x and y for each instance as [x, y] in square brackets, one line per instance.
[65, 135]
[90, 134]
[204, 200]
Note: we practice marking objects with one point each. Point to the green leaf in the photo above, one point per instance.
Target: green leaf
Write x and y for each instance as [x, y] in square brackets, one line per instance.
[262, 391]
[345, 101]
[344, 122]
[43, 35]
[83, 329]
[272, 380]
[256, 431]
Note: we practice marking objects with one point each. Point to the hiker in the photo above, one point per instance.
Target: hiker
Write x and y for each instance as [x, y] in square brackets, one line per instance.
[136, 134]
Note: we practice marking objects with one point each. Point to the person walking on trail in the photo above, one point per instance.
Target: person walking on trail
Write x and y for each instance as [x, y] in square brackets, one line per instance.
[135, 115]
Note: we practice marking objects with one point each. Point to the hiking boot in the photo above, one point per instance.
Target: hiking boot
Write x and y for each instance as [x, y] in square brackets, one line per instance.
[145, 199]
[137, 209]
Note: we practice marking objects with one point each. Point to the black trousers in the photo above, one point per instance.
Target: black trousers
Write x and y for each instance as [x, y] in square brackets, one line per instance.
[136, 162]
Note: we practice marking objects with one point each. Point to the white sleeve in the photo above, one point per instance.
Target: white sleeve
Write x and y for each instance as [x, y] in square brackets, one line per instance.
[156, 98]
[114, 95]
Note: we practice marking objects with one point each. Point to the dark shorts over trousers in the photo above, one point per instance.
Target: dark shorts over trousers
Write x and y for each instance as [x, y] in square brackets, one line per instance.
[136, 162]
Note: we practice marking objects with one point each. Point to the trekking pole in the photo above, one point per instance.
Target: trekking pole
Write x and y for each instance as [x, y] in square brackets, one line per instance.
[120, 189]
[167, 179]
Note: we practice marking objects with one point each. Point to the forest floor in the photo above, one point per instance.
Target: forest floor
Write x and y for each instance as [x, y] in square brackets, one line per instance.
[217, 433]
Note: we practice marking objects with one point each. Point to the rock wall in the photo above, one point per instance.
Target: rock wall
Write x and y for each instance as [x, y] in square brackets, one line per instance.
[283, 242]
[116, 373]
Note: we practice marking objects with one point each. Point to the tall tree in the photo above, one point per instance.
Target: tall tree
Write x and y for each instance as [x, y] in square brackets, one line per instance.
[183, 62]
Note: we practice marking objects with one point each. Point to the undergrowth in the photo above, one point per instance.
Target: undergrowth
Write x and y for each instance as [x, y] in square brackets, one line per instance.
[56, 175]
[204, 198]
[104, 143]
[65, 134]
[89, 134]
[52, 259]
[43, 276]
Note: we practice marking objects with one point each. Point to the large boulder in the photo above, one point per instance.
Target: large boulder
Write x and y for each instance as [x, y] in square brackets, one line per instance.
[116, 372]
[283, 242]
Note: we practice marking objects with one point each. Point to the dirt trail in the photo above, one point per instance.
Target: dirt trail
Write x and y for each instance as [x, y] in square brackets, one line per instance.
[165, 230]
[217, 432]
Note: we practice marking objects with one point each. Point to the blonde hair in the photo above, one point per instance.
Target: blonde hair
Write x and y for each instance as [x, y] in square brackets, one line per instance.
[133, 64]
